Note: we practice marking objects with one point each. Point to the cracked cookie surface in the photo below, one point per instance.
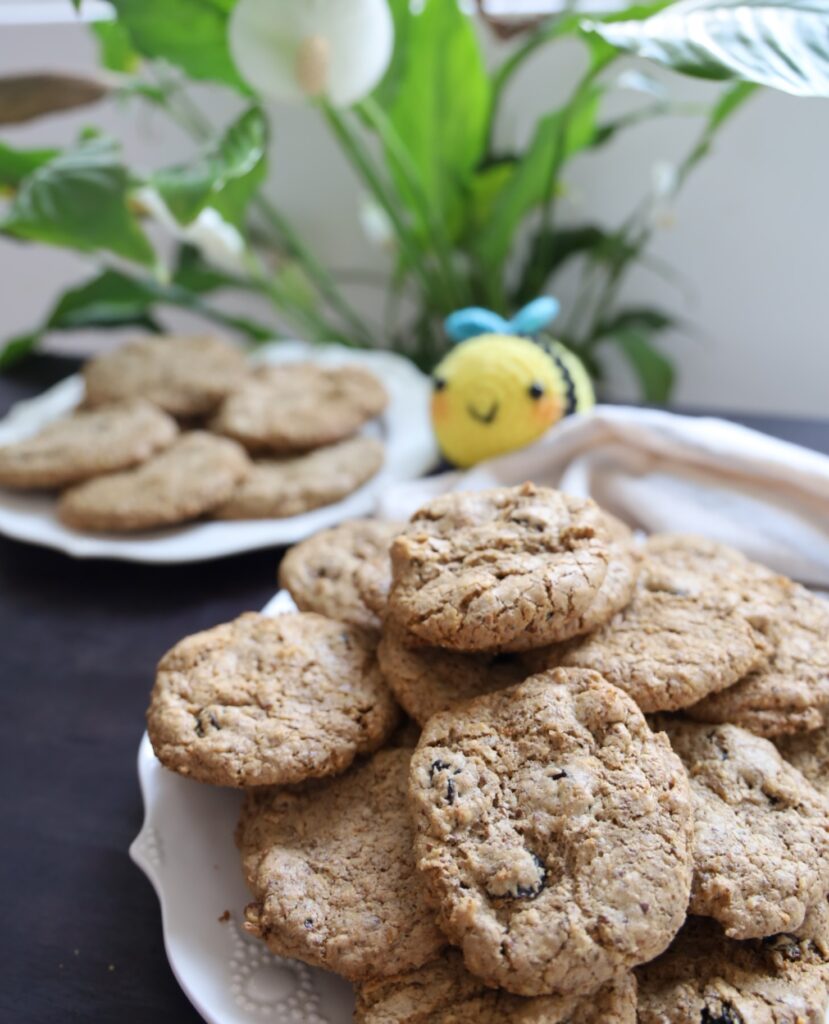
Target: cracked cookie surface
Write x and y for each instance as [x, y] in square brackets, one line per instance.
[553, 833]
[276, 488]
[504, 569]
[269, 701]
[809, 753]
[332, 872]
[761, 831]
[322, 573]
[196, 473]
[706, 978]
[87, 443]
[186, 376]
[444, 992]
[293, 407]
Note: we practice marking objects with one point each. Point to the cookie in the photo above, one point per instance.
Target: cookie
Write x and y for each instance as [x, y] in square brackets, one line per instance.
[761, 831]
[321, 572]
[269, 701]
[297, 406]
[444, 992]
[426, 680]
[86, 444]
[332, 873]
[790, 693]
[193, 476]
[553, 833]
[277, 488]
[505, 569]
[186, 376]
[684, 635]
[706, 978]
[809, 753]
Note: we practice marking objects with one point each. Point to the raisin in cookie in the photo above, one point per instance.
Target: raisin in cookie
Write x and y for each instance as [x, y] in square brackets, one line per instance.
[297, 406]
[426, 680]
[276, 488]
[186, 376]
[269, 701]
[791, 692]
[553, 833]
[196, 473]
[809, 753]
[761, 831]
[321, 572]
[706, 978]
[332, 873]
[87, 443]
[505, 569]
[444, 992]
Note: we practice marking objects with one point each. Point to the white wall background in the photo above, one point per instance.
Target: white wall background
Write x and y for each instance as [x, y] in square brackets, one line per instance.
[748, 235]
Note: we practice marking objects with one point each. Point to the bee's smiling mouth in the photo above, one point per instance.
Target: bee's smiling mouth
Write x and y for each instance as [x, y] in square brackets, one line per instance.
[483, 417]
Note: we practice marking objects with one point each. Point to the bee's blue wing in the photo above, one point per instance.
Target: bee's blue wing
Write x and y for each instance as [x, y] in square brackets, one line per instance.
[470, 322]
[535, 316]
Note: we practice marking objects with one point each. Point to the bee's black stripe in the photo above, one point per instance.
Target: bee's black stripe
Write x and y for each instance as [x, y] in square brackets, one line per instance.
[569, 383]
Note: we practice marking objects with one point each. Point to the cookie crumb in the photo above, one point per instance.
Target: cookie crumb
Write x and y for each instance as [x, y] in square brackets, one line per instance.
[224, 917]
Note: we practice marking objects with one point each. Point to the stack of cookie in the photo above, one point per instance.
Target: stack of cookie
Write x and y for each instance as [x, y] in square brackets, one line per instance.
[608, 803]
[173, 429]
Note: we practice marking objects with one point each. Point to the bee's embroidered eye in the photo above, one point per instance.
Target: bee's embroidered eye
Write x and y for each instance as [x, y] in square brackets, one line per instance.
[536, 390]
[439, 383]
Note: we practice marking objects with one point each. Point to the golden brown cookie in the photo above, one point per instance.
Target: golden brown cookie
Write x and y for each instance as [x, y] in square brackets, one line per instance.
[332, 873]
[297, 406]
[809, 753]
[706, 978]
[269, 701]
[193, 476]
[87, 443]
[444, 992]
[186, 376]
[505, 569]
[553, 833]
[761, 831]
[276, 488]
[321, 573]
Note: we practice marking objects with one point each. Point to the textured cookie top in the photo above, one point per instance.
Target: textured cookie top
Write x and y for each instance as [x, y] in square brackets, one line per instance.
[191, 477]
[506, 569]
[297, 406]
[87, 443]
[187, 376]
[322, 572]
[269, 701]
[444, 992]
[706, 978]
[761, 831]
[426, 680]
[553, 833]
[791, 693]
[291, 486]
[332, 873]
[809, 753]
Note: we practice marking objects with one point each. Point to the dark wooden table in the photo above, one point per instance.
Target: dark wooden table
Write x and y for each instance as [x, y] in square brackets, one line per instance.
[81, 930]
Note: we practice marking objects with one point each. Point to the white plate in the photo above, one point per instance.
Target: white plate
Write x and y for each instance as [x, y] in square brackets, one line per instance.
[405, 430]
[186, 849]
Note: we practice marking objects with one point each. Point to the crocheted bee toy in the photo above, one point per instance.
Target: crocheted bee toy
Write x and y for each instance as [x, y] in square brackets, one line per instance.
[501, 388]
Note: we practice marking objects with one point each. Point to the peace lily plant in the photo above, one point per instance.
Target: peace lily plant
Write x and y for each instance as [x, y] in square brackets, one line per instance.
[410, 99]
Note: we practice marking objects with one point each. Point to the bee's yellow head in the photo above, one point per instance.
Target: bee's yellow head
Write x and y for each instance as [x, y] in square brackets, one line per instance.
[496, 392]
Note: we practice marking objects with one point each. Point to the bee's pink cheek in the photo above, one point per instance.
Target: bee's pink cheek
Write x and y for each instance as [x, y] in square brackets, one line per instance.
[547, 410]
[440, 408]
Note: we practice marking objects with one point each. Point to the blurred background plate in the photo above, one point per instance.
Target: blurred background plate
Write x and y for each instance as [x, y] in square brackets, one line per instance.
[404, 429]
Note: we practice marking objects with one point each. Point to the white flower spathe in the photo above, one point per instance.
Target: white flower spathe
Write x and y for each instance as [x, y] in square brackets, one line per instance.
[295, 49]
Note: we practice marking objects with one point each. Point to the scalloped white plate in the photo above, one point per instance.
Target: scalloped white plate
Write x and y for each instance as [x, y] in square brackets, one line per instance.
[404, 429]
[186, 849]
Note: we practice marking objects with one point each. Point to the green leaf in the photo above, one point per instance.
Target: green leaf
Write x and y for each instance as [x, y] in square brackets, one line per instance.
[16, 348]
[725, 107]
[115, 49]
[783, 44]
[440, 104]
[645, 318]
[486, 186]
[195, 274]
[225, 178]
[17, 164]
[558, 136]
[192, 34]
[80, 200]
[655, 372]
[549, 250]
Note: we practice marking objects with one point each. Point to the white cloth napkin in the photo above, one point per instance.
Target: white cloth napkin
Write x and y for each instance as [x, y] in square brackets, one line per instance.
[659, 471]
